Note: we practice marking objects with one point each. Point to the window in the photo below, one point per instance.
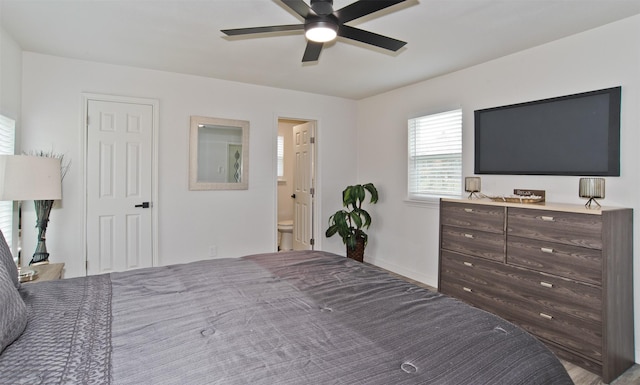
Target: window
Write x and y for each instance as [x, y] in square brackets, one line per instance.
[280, 157]
[435, 155]
[7, 145]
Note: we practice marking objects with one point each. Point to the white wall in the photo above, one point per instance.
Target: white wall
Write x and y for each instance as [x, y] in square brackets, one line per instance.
[10, 102]
[404, 237]
[237, 222]
[10, 76]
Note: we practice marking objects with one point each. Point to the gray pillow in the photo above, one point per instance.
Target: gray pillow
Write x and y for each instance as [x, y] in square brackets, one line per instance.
[13, 311]
[6, 259]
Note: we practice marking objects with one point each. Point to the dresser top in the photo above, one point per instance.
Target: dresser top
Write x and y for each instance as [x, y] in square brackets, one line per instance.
[566, 207]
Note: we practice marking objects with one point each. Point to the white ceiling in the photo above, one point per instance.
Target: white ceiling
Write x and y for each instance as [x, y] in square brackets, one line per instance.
[184, 36]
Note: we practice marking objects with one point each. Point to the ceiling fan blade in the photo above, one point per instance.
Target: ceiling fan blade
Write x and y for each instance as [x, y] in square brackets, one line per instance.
[363, 8]
[370, 38]
[272, 28]
[312, 52]
[299, 7]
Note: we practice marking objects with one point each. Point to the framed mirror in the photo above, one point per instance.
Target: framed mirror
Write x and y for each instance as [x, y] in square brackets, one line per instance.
[218, 154]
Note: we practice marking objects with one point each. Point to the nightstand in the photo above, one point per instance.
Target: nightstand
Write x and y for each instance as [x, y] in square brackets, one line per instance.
[46, 272]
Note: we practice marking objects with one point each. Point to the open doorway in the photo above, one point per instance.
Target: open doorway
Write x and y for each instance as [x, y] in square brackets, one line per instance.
[296, 182]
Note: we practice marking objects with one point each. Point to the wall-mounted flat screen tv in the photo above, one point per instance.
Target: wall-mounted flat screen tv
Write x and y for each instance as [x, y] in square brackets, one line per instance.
[568, 135]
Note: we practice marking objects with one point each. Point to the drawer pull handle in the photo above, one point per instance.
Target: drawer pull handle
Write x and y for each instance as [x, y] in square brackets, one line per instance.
[546, 284]
[467, 289]
[469, 264]
[546, 250]
[470, 236]
[547, 219]
[468, 210]
[547, 316]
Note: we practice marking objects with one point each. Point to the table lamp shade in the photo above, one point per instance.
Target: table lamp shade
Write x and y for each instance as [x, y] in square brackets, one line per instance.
[591, 188]
[24, 177]
[472, 184]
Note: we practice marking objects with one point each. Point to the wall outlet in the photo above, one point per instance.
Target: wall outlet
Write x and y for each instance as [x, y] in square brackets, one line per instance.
[213, 251]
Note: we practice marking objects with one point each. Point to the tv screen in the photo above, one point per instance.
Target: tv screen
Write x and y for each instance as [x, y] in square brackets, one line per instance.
[568, 135]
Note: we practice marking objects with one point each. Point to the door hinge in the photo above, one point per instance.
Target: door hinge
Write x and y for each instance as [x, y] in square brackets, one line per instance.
[312, 191]
[86, 265]
[312, 241]
[312, 140]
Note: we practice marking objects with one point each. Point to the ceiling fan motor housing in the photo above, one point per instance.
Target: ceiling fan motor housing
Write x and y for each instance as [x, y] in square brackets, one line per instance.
[326, 21]
[322, 7]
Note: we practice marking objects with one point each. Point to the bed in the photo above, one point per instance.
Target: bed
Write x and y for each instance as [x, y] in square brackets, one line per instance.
[279, 318]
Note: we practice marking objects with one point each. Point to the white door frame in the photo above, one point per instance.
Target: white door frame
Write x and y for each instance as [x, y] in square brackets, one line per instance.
[318, 232]
[154, 103]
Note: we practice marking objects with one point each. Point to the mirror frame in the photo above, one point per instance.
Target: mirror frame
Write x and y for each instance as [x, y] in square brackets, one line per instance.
[193, 154]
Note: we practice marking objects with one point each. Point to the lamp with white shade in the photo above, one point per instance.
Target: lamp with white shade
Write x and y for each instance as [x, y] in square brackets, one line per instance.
[591, 188]
[472, 186]
[37, 178]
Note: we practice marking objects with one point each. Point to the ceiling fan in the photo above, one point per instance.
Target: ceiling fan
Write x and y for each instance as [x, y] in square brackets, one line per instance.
[322, 24]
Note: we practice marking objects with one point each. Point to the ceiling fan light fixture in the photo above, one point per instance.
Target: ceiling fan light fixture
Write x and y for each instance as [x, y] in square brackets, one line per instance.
[321, 31]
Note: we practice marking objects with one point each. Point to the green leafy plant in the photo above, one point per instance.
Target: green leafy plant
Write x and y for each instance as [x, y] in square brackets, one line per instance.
[348, 223]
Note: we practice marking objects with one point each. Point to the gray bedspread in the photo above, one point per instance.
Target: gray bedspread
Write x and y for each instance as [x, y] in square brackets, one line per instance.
[283, 318]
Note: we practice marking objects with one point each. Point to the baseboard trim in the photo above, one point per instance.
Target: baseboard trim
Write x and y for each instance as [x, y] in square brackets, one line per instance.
[423, 278]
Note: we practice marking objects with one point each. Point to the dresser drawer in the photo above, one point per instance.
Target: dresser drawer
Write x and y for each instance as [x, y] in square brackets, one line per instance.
[577, 335]
[526, 288]
[477, 243]
[571, 333]
[549, 307]
[459, 282]
[473, 272]
[553, 294]
[476, 281]
[568, 261]
[562, 227]
[474, 217]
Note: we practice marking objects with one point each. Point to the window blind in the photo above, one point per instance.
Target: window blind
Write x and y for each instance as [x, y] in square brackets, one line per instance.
[280, 157]
[435, 155]
[7, 147]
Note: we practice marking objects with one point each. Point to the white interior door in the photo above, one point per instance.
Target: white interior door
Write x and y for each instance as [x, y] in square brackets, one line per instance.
[303, 145]
[119, 186]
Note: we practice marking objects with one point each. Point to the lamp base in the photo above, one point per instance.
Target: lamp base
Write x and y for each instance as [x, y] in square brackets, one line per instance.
[588, 204]
[474, 194]
[39, 259]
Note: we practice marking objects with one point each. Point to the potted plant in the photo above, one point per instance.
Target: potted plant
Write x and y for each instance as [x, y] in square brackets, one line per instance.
[348, 223]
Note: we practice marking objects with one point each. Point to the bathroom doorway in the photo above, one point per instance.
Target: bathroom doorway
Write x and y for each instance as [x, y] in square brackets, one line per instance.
[296, 184]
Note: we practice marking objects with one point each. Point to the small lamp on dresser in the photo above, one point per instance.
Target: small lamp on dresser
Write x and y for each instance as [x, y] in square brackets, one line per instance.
[591, 188]
[36, 178]
[472, 186]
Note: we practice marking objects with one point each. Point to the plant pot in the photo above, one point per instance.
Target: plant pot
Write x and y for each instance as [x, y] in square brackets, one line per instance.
[358, 252]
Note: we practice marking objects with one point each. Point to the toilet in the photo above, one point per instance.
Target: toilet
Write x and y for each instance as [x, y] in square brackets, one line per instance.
[285, 230]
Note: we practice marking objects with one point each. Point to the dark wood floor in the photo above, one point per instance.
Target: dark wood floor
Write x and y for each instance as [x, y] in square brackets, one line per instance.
[579, 375]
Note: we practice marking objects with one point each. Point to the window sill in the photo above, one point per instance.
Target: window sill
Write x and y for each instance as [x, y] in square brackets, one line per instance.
[431, 202]
[424, 203]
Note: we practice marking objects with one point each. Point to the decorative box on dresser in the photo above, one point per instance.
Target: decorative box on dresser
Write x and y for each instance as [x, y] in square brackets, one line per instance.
[561, 272]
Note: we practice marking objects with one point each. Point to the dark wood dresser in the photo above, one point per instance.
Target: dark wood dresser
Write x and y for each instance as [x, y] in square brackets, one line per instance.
[562, 272]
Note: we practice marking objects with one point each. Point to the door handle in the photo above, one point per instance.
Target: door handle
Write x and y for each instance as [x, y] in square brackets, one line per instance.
[144, 205]
[293, 196]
